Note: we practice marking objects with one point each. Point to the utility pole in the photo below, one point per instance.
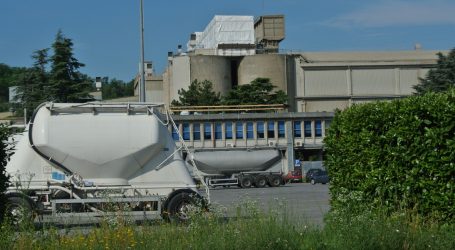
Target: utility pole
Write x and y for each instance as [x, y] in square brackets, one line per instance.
[141, 68]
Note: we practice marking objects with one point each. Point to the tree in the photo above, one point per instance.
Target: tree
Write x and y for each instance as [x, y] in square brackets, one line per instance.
[8, 78]
[67, 84]
[5, 152]
[33, 84]
[442, 77]
[117, 88]
[198, 94]
[259, 91]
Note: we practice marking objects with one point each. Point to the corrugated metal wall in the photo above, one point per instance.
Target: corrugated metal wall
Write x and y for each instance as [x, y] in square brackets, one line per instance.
[373, 82]
[325, 82]
[325, 105]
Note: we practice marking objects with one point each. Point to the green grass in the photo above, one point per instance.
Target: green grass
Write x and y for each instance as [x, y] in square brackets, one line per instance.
[250, 229]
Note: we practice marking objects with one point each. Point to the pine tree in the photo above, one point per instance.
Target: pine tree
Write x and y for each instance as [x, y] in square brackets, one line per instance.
[67, 84]
[198, 94]
[259, 91]
[440, 78]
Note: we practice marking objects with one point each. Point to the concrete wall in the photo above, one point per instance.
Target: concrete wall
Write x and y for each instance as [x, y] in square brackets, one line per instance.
[154, 91]
[329, 81]
[179, 76]
[313, 81]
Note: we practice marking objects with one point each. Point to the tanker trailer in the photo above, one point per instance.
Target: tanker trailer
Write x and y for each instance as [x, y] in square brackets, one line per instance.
[244, 167]
[82, 158]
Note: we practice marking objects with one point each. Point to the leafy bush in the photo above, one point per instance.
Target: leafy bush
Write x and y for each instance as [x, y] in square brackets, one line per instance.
[4, 156]
[395, 156]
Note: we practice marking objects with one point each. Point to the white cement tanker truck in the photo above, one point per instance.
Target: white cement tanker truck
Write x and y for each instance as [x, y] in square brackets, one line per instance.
[80, 159]
[243, 167]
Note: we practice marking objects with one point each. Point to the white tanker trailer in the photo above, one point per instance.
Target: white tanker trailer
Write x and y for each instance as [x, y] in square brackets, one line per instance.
[82, 158]
[244, 167]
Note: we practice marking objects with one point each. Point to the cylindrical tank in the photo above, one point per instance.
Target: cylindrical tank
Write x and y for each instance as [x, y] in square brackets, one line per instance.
[216, 69]
[270, 66]
[104, 144]
[232, 161]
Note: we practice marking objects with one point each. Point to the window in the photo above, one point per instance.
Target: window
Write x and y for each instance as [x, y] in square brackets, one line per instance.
[228, 131]
[307, 125]
[207, 131]
[196, 132]
[239, 130]
[186, 131]
[218, 131]
[297, 129]
[249, 130]
[260, 130]
[281, 129]
[175, 133]
[270, 129]
[318, 128]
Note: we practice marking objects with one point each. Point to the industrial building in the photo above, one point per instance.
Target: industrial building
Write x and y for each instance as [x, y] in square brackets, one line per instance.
[314, 81]
[235, 50]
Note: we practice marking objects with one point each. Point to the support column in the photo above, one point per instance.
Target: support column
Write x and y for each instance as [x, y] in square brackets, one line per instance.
[290, 145]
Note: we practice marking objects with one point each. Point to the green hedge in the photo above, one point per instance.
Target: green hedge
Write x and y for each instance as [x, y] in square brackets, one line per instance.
[5, 152]
[395, 156]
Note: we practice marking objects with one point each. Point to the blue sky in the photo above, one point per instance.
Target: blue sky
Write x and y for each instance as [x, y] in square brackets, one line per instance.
[105, 33]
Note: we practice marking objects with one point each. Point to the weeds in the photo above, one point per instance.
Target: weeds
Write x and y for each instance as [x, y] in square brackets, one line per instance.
[250, 229]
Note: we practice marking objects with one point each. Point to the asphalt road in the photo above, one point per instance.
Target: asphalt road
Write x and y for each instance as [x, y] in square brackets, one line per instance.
[301, 201]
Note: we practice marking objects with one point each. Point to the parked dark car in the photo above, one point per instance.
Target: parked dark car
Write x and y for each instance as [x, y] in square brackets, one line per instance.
[310, 173]
[320, 176]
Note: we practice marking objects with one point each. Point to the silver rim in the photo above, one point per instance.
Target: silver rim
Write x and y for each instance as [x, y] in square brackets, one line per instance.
[17, 214]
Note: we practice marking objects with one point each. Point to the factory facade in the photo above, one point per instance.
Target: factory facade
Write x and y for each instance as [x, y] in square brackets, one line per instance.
[235, 50]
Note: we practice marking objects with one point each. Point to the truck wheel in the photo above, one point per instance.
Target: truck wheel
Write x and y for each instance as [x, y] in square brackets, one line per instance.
[18, 211]
[261, 181]
[246, 181]
[275, 181]
[313, 181]
[182, 206]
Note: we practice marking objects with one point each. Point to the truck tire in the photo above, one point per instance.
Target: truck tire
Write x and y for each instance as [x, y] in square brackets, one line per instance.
[275, 180]
[182, 206]
[246, 181]
[19, 211]
[260, 181]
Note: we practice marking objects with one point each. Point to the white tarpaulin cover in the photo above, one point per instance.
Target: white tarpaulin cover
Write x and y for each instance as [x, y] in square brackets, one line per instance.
[226, 30]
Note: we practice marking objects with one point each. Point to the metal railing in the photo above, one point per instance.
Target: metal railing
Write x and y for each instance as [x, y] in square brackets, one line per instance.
[229, 108]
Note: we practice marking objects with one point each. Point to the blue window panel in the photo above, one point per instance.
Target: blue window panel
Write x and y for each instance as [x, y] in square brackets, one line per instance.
[196, 132]
[207, 131]
[186, 131]
[218, 131]
[297, 129]
[260, 130]
[228, 131]
[307, 127]
[270, 130]
[249, 130]
[318, 128]
[175, 133]
[281, 129]
[239, 130]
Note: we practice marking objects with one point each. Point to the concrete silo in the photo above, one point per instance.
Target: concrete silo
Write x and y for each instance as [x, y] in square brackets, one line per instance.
[216, 69]
[271, 66]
